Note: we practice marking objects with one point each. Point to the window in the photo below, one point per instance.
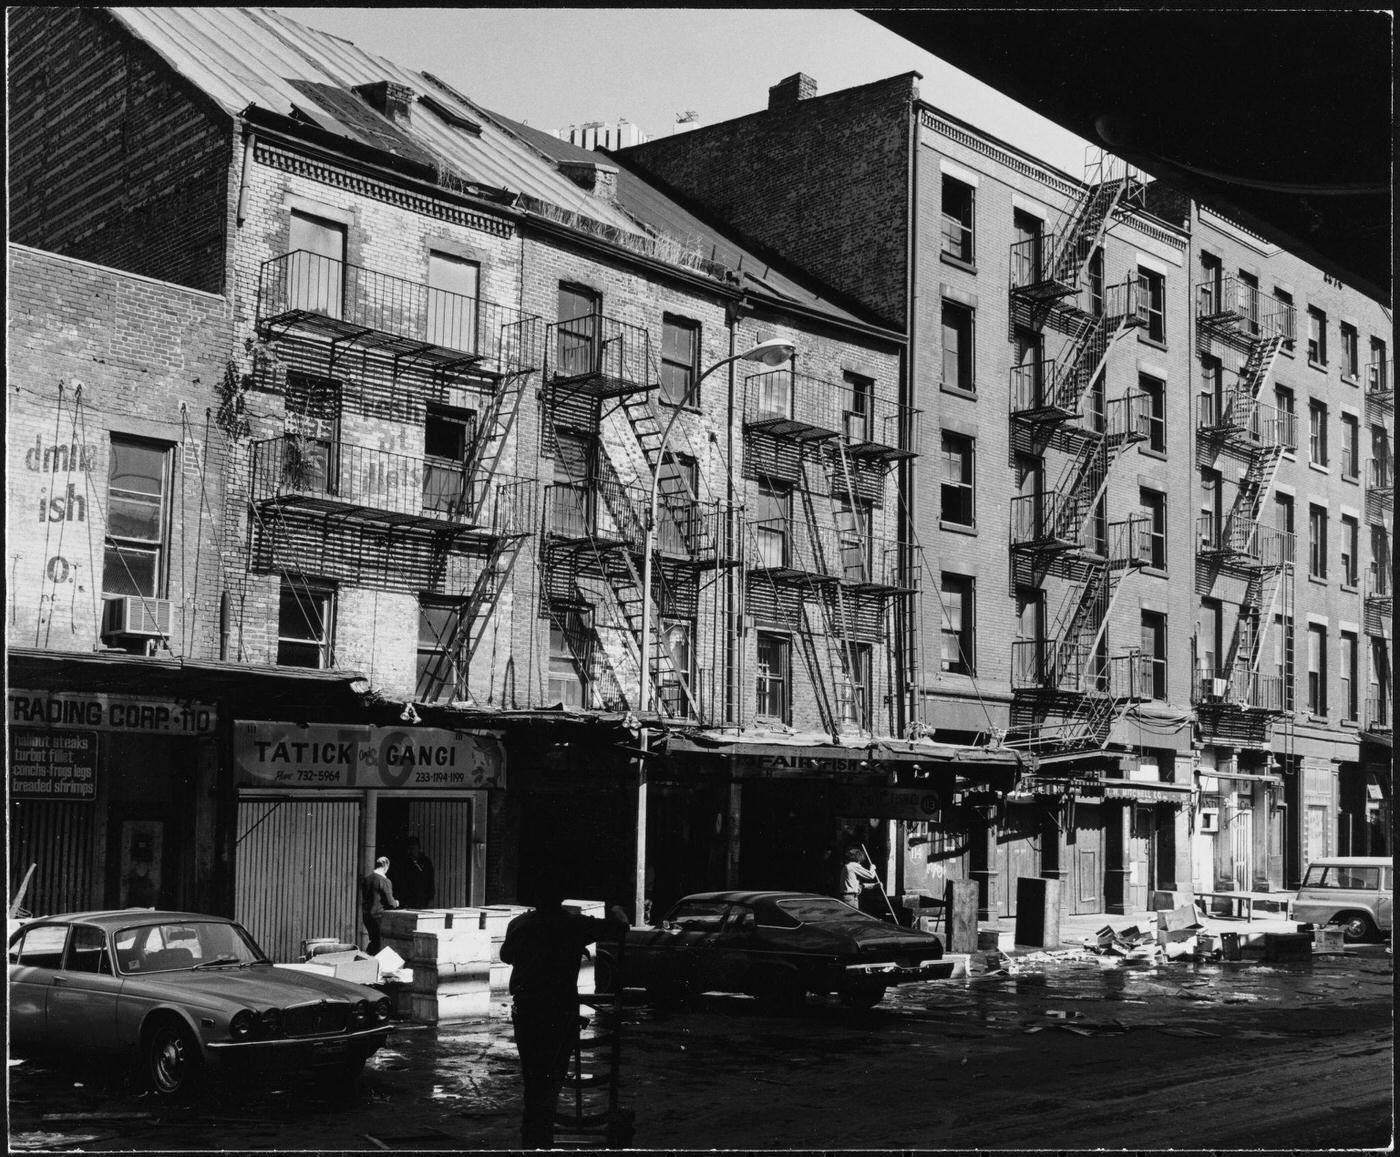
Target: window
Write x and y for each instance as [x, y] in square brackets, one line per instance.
[1154, 653]
[1093, 273]
[1317, 669]
[1317, 541]
[680, 351]
[853, 689]
[1317, 336]
[453, 287]
[1152, 303]
[676, 679]
[1283, 319]
[773, 699]
[1248, 304]
[1156, 391]
[572, 494]
[567, 678]
[958, 507]
[1212, 393]
[774, 511]
[859, 414]
[1287, 412]
[957, 348]
[959, 641]
[312, 456]
[853, 539]
[677, 515]
[1377, 372]
[1378, 581]
[1209, 641]
[138, 518]
[448, 435]
[1212, 506]
[316, 270]
[580, 329]
[1351, 351]
[87, 951]
[1317, 432]
[1208, 291]
[1284, 521]
[439, 650]
[1154, 505]
[1382, 465]
[1351, 545]
[1348, 672]
[303, 625]
[957, 220]
[1027, 249]
[1028, 372]
[1351, 446]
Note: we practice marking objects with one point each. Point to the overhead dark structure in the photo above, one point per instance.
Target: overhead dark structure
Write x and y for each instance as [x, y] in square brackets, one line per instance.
[1279, 119]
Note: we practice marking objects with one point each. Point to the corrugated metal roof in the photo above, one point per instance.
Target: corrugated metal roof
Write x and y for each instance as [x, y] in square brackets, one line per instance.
[243, 56]
[664, 214]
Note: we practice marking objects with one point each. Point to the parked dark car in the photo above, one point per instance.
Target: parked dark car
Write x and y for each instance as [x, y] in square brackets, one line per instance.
[777, 946]
[180, 994]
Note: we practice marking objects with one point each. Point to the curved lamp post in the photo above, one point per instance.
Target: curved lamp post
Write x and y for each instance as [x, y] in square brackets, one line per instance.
[773, 352]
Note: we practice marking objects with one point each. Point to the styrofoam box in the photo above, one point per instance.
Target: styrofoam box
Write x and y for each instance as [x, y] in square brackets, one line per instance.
[472, 1005]
[449, 947]
[403, 922]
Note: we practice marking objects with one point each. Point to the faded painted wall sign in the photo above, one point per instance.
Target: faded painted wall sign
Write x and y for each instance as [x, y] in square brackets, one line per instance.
[884, 802]
[279, 754]
[53, 764]
[101, 712]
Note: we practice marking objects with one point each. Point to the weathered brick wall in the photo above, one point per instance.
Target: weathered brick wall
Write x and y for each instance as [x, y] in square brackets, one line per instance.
[113, 158]
[95, 352]
[822, 183]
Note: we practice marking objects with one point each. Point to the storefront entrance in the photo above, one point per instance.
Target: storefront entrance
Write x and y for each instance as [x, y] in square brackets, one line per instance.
[1084, 852]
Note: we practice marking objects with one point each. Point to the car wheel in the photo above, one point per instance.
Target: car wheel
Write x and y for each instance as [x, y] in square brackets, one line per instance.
[1355, 926]
[866, 997]
[173, 1063]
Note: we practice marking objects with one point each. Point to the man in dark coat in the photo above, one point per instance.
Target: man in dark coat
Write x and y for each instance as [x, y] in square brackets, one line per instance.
[376, 895]
[544, 947]
[413, 878]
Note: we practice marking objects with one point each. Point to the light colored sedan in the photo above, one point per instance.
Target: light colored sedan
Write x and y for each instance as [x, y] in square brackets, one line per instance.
[180, 994]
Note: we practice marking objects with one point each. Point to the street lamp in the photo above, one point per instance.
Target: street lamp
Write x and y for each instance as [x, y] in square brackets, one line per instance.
[773, 352]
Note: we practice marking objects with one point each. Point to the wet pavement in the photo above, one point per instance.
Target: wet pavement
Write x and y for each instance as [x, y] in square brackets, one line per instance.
[1062, 1053]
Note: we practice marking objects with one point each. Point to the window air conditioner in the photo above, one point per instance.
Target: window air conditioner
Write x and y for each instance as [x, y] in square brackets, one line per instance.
[1219, 688]
[134, 615]
[1210, 820]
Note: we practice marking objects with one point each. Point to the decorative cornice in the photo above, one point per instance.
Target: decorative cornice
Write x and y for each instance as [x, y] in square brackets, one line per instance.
[1065, 187]
[325, 174]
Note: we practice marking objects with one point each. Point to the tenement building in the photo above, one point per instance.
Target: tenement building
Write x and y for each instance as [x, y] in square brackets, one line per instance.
[401, 472]
[1143, 581]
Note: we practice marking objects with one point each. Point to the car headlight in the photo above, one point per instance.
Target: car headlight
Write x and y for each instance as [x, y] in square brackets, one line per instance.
[359, 1013]
[382, 1009]
[242, 1025]
[270, 1022]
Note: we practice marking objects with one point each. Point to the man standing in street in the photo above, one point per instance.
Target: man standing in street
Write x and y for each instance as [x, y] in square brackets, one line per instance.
[376, 895]
[413, 878]
[544, 947]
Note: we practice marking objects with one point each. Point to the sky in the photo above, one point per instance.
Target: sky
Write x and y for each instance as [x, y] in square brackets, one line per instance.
[553, 67]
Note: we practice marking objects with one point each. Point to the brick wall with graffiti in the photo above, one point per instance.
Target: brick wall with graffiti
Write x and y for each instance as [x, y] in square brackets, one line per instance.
[114, 459]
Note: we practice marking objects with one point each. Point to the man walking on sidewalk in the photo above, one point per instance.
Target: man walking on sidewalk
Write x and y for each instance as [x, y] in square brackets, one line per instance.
[544, 948]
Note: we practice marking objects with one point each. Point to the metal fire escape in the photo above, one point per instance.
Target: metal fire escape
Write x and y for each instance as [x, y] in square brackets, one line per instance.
[1380, 506]
[826, 573]
[1066, 693]
[1236, 700]
[350, 347]
[595, 521]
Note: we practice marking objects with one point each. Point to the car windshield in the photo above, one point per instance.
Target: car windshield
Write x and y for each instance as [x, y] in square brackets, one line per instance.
[182, 945]
[822, 910]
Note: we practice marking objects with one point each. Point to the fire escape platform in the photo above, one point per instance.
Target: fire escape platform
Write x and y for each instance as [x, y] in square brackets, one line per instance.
[355, 335]
[1048, 289]
[792, 429]
[330, 504]
[598, 385]
[878, 451]
[792, 575]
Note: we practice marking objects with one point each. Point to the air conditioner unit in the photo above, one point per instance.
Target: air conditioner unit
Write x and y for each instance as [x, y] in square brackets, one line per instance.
[134, 615]
[1219, 688]
[1210, 819]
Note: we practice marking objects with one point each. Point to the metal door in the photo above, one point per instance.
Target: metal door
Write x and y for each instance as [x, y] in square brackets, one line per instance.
[1141, 874]
[1018, 854]
[296, 872]
[1086, 858]
[1242, 845]
[444, 831]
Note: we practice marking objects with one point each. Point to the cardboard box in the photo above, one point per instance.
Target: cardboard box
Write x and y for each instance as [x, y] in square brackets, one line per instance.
[356, 967]
[449, 947]
[443, 978]
[1328, 939]
[319, 968]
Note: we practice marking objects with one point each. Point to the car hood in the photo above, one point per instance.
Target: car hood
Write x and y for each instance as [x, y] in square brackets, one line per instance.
[260, 984]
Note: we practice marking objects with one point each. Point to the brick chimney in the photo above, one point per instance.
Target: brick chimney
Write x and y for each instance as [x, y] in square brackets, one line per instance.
[799, 86]
[395, 101]
[598, 179]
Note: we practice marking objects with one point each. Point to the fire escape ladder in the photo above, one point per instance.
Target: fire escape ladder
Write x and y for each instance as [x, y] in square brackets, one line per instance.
[496, 425]
[648, 429]
[838, 646]
[587, 648]
[1258, 365]
[1255, 484]
[1275, 598]
[1087, 227]
[858, 679]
